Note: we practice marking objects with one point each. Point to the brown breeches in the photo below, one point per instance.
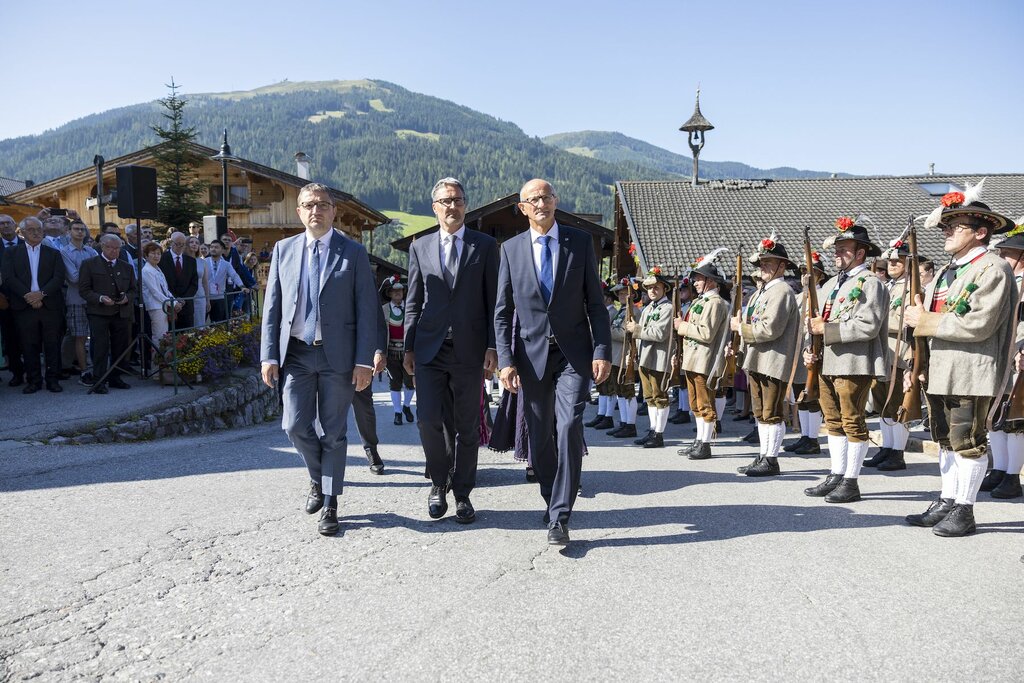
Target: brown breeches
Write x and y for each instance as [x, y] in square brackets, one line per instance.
[768, 396]
[702, 403]
[958, 423]
[650, 382]
[843, 401]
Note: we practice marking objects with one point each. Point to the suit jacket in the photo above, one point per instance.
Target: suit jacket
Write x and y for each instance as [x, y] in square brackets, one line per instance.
[654, 331]
[95, 280]
[349, 315]
[968, 351]
[769, 331]
[896, 293]
[575, 316]
[704, 332]
[17, 277]
[856, 334]
[188, 284]
[432, 308]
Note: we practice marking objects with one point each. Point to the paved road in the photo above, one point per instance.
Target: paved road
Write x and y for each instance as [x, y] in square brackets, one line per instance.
[191, 559]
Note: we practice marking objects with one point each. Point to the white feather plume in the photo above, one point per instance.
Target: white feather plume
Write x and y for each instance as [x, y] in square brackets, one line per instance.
[829, 242]
[713, 255]
[972, 193]
[934, 218]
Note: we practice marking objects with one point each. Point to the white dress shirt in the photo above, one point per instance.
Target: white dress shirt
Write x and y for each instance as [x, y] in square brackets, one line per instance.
[33, 264]
[446, 245]
[552, 245]
[299, 321]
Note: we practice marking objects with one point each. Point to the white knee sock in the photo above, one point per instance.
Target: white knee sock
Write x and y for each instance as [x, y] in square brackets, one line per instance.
[407, 395]
[684, 400]
[900, 436]
[699, 422]
[997, 445]
[855, 452]
[814, 424]
[762, 433]
[1015, 453]
[396, 401]
[662, 419]
[837, 448]
[720, 406]
[947, 470]
[804, 427]
[631, 407]
[777, 434]
[602, 406]
[969, 473]
[710, 432]
[885, 427]
[623, 410]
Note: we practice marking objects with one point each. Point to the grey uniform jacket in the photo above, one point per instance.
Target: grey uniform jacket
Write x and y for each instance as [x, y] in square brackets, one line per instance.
[618, 335]
[857, 330]
[968, 351]
[896, 295]
[769, 331]
[654, 328]
[703, 335]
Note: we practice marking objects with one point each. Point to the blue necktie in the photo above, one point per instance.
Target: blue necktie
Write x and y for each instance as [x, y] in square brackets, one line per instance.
[547, 280]
[312, 295]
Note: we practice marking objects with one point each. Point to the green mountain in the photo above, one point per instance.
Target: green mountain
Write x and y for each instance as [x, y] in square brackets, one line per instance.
[377, 140]
[618, 148]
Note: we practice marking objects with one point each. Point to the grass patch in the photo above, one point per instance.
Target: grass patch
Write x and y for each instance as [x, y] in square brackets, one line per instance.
[379, 105]
[324, 115]
[411, 222]
[405, 134]
[582, 151]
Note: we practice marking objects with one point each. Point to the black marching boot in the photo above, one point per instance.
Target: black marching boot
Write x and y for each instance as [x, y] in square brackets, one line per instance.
[847, 492]
[959, 522]
[935, 513]
[894, 462]
[824, 488]
[1008, 488]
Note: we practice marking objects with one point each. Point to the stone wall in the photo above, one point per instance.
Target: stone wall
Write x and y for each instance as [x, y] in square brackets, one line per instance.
[245, 401]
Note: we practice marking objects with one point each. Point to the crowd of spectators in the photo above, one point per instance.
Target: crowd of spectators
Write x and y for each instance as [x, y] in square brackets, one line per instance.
[68, 298]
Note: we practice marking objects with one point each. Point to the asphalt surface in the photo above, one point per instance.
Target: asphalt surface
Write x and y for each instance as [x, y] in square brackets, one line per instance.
[191, 559]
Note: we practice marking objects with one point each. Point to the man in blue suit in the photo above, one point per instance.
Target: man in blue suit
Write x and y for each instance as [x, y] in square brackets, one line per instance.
[549, 280]
[449, 343]
[319, 337]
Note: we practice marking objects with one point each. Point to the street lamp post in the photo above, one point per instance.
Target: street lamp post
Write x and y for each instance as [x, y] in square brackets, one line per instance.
[224, 156]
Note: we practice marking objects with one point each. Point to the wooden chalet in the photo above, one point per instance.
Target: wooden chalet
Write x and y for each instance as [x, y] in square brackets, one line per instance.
[501, 219]
[15, 209]
[262, 200]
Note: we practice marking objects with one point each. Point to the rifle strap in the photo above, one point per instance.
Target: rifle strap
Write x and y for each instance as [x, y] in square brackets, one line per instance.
[800, 336]
[896, 354]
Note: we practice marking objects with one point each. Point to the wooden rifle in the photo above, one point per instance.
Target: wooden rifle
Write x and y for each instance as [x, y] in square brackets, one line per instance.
[675, 358]
[627, 361]
[733, 341]
[910, 408]
[810, 392]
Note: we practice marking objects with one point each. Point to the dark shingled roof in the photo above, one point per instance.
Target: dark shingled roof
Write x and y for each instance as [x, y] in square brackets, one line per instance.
[10, 186]
[673, 223]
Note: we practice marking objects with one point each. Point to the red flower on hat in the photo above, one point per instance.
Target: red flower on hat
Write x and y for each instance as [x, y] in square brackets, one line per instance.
[844, 223]
[815, 256]
[699, 259]
[632, 248]
[767, 244]
[952, 199]
[656, 270]
[685, 281]
[625, 282]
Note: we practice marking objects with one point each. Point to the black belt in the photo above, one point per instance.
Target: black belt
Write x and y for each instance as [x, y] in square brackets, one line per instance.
[316, 342]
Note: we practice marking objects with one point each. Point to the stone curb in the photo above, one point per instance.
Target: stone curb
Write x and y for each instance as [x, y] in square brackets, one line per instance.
[245, 401]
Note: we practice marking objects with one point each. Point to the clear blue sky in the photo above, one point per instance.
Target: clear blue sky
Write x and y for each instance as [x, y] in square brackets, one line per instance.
[864, 87]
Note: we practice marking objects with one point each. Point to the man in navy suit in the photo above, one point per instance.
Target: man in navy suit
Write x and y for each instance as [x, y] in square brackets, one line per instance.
[319, 337]
[549, 280]
[8, 330]
[449, 343]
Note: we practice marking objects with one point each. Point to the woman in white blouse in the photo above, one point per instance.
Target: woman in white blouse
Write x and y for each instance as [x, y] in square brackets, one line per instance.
[155, 291]
[201, 302]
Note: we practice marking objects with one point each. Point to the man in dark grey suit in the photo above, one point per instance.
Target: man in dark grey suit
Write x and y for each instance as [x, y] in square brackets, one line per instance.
[449, 343]
[319, 335]
[548, 279]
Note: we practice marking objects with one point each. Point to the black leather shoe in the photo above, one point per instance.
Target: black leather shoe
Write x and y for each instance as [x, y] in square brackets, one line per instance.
[645, 438]
[409, 417]
[894, 462]
[615, 432]
[119, 384]
[558, 534]
[702, 452]
[54, 387]
[848, 491]
[790, 447]
[657, 440]
[531, 476]
[607, 422]
[684, 417]
[31, 388]
[464, 512]
[625, 432]
[690, 448]
[742, 469]
[398, 418]
[753, 437]
[593, 422]
[547, 518]
[935, 513]
[959, 522]
[992, 480]
[765, 467]
[824, 488]
[373, 458]
[314, 499]
[810, 447]
[437, 503]
[16, 381]
[100, 388]
[878, 458]
[1008, 488]
[328, 525]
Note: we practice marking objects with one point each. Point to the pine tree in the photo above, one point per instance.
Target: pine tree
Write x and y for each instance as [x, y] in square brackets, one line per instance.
[182, 193]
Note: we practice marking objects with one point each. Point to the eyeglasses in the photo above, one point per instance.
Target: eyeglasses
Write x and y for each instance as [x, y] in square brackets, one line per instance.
[537, 200]
[950, 229]
[451, 201]
[323, 206]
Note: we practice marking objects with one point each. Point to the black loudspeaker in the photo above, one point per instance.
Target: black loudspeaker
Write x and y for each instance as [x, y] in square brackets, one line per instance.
[136, 192]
